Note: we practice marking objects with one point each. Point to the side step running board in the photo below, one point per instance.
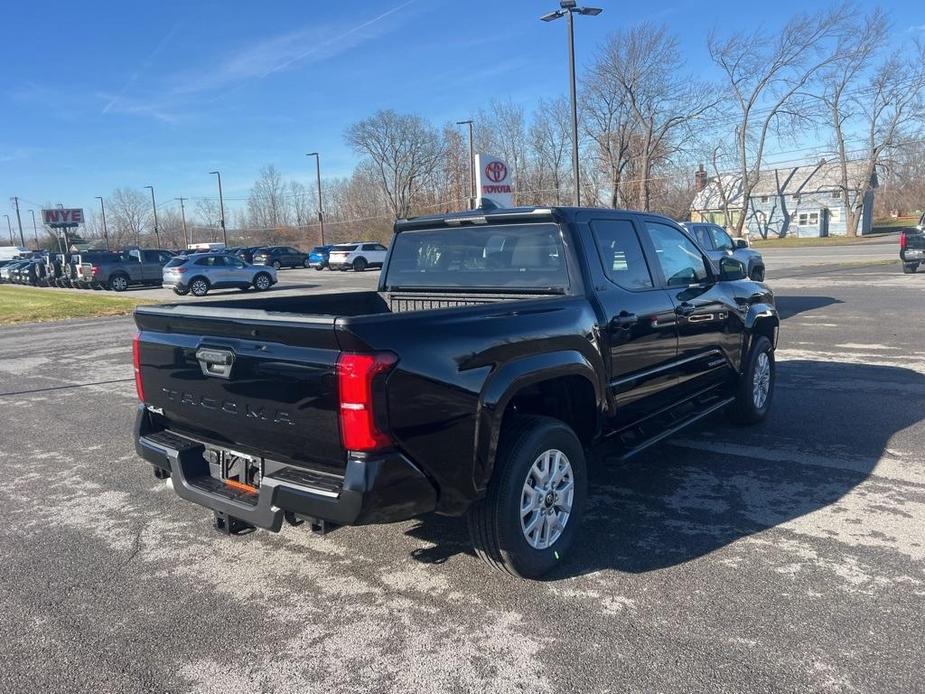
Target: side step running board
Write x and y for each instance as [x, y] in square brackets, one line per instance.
[675, 428]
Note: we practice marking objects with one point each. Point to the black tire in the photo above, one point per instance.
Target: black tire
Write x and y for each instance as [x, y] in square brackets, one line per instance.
[496, 523]
[909, 268]
[262, 281]
[319, 268]
[277, 265]
[180, 292]
[747, 409]
[118, 282]
[199, 286]
[359, 265]
[757, 274]
[306, 263]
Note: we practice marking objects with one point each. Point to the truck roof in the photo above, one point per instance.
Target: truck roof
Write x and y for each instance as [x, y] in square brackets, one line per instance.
[508, 214]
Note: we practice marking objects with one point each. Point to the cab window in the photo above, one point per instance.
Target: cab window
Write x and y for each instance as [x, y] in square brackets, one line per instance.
[721, 240]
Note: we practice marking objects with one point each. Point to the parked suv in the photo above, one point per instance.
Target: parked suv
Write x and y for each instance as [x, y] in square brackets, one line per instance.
[118, 271]
[200, 272]
[356, 256]
[717, 243]
[280, 256]
[318, 256]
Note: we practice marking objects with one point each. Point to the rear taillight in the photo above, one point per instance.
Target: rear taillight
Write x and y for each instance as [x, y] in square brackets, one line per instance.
[902, 240]
[356, 379]
[136, 363]
[95, 269]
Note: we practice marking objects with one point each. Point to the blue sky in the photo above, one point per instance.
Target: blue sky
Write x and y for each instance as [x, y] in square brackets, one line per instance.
[104, 94]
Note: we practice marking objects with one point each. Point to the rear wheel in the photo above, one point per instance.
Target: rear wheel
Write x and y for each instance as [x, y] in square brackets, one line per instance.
[262, 282]
[199, 286]
[530, 518]
[306, 263]
[359, 265]
[755, 389]
[118, 283]
[277, 265]
[909, 268]
[180, 292]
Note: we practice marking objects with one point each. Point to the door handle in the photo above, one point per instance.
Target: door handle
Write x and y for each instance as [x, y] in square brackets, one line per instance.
[624, 320]
[685, 309]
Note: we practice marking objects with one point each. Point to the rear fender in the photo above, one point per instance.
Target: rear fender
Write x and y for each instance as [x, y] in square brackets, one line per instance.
[504, 384]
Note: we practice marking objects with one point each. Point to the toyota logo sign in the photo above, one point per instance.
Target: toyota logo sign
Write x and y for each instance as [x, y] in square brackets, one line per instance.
[496, 171]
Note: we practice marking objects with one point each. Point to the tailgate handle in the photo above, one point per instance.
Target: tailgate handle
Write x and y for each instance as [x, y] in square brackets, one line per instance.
[215, 362]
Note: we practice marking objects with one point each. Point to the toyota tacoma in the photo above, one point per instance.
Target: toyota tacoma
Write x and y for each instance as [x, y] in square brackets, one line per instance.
[499, 348]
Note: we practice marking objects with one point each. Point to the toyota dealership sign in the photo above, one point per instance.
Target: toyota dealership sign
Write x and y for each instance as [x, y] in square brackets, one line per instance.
[494, 181]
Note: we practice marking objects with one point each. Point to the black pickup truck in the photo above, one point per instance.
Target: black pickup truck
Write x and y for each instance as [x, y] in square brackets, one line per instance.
[912, 247]
[499, 348]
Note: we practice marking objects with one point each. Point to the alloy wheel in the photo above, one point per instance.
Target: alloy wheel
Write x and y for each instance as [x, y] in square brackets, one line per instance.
[546, 499]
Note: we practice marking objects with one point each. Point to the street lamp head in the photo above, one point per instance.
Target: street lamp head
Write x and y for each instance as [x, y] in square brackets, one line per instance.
[312, 154]
[552, 16]
[214, 173]
[149, 187]
[463, 122]
[589, 11]
[567, 4]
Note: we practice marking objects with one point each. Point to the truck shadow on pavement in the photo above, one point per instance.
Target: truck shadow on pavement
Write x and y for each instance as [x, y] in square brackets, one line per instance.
[789, 306]
[716, 483]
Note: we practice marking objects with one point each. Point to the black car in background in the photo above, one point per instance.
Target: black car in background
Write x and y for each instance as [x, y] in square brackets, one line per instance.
[281, 256]
[247, 253]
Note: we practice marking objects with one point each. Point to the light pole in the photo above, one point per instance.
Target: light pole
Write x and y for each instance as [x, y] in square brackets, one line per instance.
[105, 230]
[35, 229]
[567, 9]
[472, 194]
[320, 203]
[157, 236]
[22, 239]
[221, 203]
[183, 219]
[10, 227]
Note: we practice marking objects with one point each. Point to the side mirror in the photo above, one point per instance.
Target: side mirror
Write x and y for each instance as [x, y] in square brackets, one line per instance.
[740, 243]
[731, 269]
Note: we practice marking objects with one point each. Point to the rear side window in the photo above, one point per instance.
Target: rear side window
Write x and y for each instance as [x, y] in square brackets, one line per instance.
[621, 253]
[508, 256]
[349, 247]
[176, 262]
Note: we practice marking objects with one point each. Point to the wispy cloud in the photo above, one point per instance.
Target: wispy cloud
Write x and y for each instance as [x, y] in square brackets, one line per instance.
[141, 69]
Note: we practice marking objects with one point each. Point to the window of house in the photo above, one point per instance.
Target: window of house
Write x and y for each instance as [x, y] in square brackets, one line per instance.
[764, 198]
[803, 219]
[836, 194]
[814, 219]
[835, 215]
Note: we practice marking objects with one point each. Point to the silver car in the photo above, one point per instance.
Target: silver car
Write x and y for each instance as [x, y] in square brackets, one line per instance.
[717, 243]
[200, 272]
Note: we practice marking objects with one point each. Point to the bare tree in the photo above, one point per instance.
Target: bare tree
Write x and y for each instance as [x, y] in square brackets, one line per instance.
[644, 66]
[551, 144]
[404, 150]
[765, 75]
[129, 216]
[267, 206]
[883, 106]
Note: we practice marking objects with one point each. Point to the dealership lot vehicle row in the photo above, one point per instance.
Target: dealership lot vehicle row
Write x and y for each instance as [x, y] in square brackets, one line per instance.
[816, 516]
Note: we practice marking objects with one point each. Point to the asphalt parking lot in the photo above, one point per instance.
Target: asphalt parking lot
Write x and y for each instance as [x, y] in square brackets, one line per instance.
[785, 557]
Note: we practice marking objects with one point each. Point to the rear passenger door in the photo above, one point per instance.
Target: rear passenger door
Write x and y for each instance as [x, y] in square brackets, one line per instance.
[709, 337]
[374, 253]
[639, 320]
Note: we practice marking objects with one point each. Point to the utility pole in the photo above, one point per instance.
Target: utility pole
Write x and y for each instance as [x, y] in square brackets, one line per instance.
[35, 229]
[320, 202]
[472, 191]
[10, 227]
[22, 239]
[105, 230]
[157, 236]
[183, 217]
[568, 8]
[221, 203]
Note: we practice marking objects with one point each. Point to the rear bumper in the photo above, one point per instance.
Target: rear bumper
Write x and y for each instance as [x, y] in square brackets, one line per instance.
[382, 489]
[911, 255]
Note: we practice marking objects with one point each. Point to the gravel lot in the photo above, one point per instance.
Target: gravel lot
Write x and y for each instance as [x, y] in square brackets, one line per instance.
[785, 557]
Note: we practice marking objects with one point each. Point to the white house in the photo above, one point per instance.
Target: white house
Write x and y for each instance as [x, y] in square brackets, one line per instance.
[802, 201]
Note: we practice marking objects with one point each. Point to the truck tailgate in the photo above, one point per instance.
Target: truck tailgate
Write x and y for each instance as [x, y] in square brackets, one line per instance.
[253, 381]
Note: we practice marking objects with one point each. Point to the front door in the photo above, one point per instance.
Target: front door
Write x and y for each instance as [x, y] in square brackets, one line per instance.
[708, 340]
[639, 321]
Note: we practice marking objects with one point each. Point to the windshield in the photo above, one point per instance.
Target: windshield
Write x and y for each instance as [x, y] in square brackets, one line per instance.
[509, 256]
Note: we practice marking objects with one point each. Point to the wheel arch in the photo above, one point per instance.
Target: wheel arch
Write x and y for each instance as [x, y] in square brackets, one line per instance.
[563, 385]
[761, 320]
